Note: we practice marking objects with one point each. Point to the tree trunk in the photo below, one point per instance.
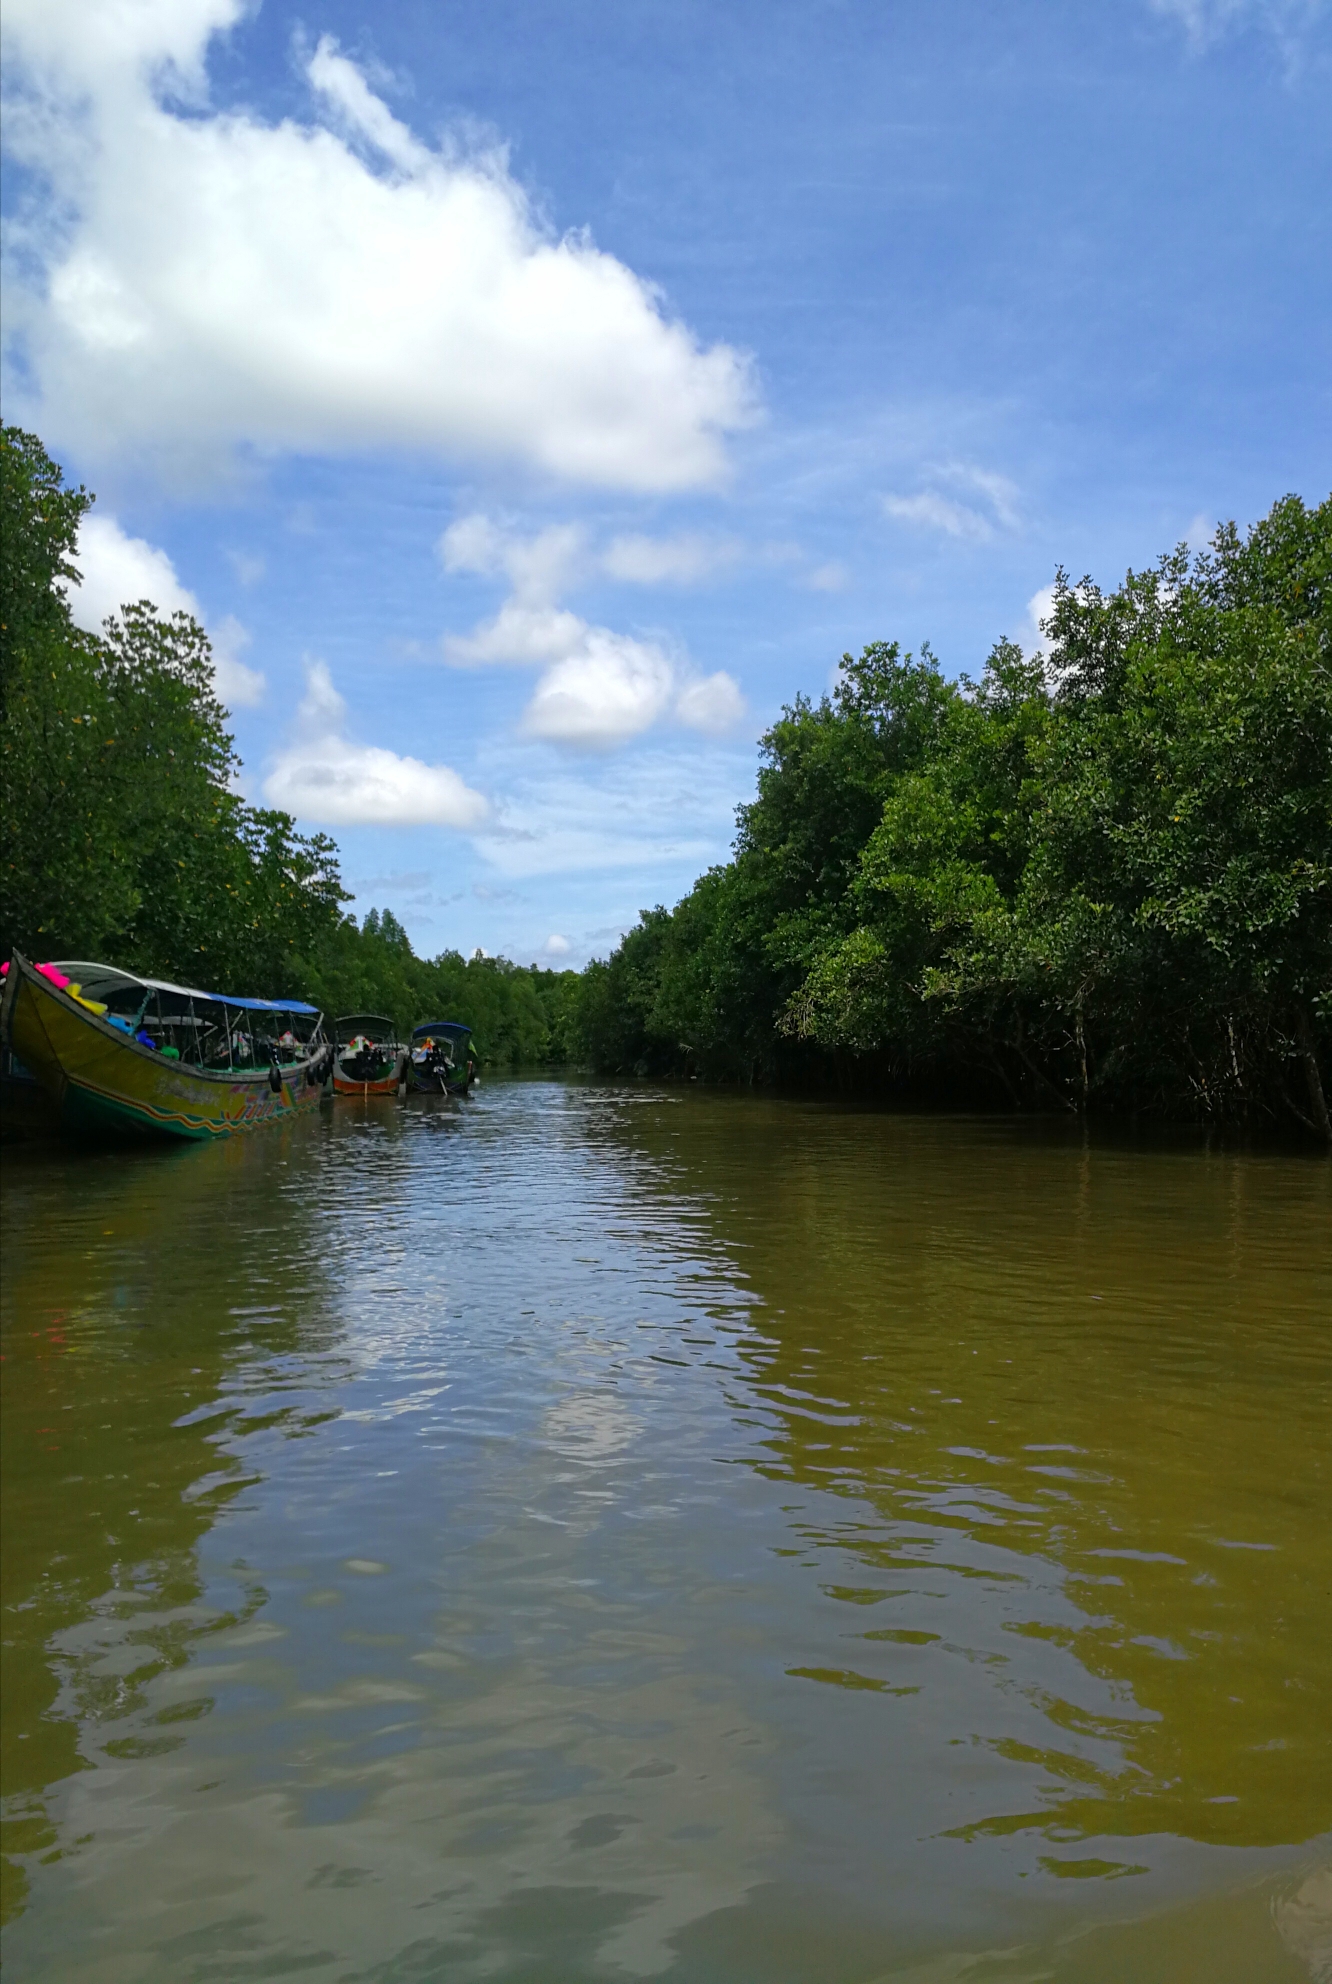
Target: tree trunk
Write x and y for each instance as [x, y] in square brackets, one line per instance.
[1309, 1055]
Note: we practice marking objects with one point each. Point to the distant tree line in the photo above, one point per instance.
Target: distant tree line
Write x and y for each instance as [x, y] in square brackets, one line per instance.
[123, 838]
[1097, 878]
[521, 1015]
[1100, 877]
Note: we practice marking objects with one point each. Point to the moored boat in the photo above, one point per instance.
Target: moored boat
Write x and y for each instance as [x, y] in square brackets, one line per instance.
[124, 1055]
[368, 1057]
[440, 1061]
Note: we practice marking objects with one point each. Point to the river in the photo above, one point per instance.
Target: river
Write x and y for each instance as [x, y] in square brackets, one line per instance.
[591, 1533]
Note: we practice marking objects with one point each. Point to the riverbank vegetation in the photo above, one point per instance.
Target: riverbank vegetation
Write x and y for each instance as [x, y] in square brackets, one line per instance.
[123, 837]
[1098, 877]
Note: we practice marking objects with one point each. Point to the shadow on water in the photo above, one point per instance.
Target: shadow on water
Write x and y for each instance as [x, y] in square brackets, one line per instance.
[602, 1533]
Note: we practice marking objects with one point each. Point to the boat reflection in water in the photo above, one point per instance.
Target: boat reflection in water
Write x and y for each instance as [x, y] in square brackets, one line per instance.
[441, 1060]
[122, 1055]
[368, 1057]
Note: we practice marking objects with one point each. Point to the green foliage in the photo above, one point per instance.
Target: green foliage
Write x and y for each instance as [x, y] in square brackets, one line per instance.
[39, 523]
[122, 834]
[124, 838]
[703, 988]
[1099, 877]
[519, 1017]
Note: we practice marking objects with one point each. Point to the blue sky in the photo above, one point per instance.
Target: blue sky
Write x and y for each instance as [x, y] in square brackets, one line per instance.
[532, 398]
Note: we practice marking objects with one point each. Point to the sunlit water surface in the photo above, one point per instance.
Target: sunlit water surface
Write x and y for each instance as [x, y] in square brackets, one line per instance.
[608, 1533]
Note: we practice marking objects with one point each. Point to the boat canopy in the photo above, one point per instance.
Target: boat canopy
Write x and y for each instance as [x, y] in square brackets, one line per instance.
[93, 979]
[373, 1023]
[454, 1027]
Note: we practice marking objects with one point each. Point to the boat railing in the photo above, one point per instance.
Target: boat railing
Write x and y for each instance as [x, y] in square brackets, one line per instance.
[215, 1035]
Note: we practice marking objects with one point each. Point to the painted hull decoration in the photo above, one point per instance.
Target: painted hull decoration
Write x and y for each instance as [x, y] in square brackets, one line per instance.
[440, 1061]
[368, 1058]
[127, 1056]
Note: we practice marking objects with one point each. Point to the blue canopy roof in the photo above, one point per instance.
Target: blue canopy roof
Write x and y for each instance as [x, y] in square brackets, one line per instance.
[259, 1005]
[439, 1026]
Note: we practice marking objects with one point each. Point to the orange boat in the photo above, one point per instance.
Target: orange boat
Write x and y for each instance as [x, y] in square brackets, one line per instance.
[368, 1058]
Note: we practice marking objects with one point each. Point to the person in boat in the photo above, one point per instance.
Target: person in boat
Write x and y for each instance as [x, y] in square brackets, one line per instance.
[433, 1057]
[364, 1060]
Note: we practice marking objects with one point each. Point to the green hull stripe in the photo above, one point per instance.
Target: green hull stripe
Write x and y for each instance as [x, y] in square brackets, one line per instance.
[88, 1106]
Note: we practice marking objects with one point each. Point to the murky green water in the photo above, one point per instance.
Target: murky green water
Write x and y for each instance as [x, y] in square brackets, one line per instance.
[597, 1534]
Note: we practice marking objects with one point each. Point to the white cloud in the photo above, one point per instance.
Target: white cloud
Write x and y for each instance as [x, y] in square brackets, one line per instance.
[200, 282]
[930, 509]
[832, 577]
[557, 946]
[361, 114]
[473, 544]
[935, 512]
[997, 490]
[600, 687]
[652, 561]
[610, 690]
[1030, 636]
[540, 566]
[521, 632]
[713, 704]
[1207, 21]
[238, 687]
[614, 688]
[529, 628]
[118, 570]
[326, 778]
[249, 566]
[537, 567]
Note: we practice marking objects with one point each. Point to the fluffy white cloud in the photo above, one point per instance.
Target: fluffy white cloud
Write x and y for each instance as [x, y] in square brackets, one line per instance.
[712, 704]
[557, 946]
[537, 567]
[541, 565]
[992, 507]
[524, 632]
[326, 778]
[530, 628]
[600, 687]
[614, 688]
[610, 690]
[200, 281]
[1031, 636]
[117, 570]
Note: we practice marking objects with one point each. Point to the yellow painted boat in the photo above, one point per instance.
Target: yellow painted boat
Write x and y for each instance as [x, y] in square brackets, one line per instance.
[123, 1055]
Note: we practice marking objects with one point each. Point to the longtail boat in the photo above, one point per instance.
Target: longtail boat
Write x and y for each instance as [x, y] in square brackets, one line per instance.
[122, 1055]
[368, 1057]
[440, 1061]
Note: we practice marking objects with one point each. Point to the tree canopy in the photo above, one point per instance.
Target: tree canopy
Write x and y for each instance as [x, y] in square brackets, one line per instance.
[1101, 875]
[123, 837]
